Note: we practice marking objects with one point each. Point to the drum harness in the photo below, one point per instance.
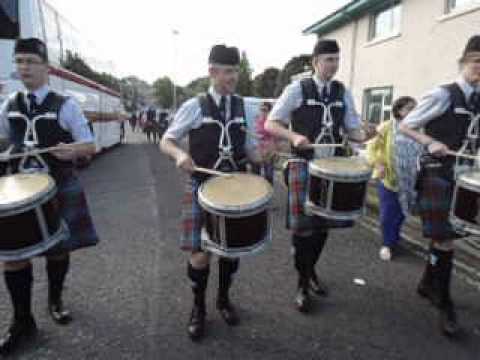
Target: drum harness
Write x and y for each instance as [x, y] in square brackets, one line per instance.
[225, 152]
[470, 144]
[30, 143]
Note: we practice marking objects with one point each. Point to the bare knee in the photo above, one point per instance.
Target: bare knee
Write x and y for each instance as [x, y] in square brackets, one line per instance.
[16, 265]
[447, 245]
[200, 260]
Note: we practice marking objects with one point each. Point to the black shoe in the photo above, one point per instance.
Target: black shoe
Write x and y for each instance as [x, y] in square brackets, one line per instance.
[448, 321]
[59, 314]
[228, 312]
[303, 302]
[17, 334]
[318, 286]
[196, 324]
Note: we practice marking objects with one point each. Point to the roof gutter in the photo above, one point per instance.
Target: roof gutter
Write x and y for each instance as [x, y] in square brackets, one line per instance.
[344, 15]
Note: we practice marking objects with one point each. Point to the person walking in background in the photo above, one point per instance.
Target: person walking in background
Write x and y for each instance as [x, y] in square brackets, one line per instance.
[381, 155]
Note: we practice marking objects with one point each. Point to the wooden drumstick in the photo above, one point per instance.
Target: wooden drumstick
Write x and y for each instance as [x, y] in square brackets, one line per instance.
[465, 156]
[43, 151]
[212, 172]
[316, 146]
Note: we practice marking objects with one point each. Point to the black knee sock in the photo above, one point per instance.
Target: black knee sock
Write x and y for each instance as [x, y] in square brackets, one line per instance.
[19, 285]
[57, 271]
[318, 239]
[226, 269]
[442, 266]
[426, 281]
[303, 259]
[199, 278]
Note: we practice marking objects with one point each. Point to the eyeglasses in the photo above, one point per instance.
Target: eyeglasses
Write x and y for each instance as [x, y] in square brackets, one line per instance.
[28, 62]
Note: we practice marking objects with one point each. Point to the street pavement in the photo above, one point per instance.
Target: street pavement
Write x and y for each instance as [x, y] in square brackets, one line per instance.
[131, 297]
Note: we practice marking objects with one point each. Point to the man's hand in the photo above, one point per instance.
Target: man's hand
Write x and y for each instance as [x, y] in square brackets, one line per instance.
[65, 152]
[299, 141]
[437, 148]
[185, 162]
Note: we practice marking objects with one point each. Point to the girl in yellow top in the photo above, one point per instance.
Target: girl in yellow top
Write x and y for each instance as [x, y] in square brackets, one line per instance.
[381, 155]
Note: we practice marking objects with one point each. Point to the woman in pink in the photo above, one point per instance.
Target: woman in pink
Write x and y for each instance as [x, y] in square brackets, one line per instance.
[266, 143]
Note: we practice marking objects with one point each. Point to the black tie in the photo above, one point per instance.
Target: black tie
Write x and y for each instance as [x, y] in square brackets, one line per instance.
[223, 107]
[33, 102]
[324, 95]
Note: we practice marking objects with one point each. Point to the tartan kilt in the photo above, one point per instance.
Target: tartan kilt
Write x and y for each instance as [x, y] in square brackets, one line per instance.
[73, 207]
[296, 177]
[435, 200]
[192, 218]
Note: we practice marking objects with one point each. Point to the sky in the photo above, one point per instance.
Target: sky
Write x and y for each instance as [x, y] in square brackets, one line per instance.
[139, 36]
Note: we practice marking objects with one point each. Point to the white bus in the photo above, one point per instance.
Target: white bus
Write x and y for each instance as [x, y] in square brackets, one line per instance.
[37, 18]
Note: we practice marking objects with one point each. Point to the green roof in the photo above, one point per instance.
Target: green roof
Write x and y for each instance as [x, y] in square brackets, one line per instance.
[351, 11]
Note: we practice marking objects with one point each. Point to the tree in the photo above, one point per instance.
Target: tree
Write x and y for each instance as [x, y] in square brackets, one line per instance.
[294, 66]
[197, 86]
[163, 91]
[264, 84]
[245, 83]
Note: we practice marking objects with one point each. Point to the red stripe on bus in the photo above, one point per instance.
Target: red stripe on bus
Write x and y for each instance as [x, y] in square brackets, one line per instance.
[68, 75]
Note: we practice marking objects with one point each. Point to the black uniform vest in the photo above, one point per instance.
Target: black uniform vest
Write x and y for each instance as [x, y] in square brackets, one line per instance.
[217, 136]
[307, 120]
[42, 127]
[451, 128]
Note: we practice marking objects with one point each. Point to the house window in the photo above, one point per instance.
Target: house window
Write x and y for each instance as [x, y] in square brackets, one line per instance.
[386, 22]
[459, 4]
[378, 105]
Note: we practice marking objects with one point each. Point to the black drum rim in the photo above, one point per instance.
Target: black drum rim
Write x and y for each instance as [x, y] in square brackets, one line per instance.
[60, 235]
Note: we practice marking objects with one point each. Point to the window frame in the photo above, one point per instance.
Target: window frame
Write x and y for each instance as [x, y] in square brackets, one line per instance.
[372, 28]
[451, 5]
[384, 106]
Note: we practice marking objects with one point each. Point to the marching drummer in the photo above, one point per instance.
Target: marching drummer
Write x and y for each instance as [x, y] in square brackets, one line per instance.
[216, 141]
[58, 121]
[302, 106]
[445, 116]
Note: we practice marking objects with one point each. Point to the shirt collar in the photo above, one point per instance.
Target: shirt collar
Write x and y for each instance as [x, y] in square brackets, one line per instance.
[321, 83]
[216, 96]
[467, 88]
[40, 94]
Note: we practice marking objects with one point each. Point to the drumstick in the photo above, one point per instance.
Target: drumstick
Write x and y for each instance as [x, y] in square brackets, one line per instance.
[315, 146]
[459, 154]
[211, 172]
[42, 151]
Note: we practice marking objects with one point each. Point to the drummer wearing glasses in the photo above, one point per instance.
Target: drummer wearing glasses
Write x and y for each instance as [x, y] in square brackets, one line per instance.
[441, 123]
[299, 116]
[213, 123]
[41, 118]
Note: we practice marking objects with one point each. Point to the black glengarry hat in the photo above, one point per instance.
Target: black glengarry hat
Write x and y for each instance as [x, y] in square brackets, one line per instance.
[32, 46]
[473, 46]
[224, 55]
[326, 46]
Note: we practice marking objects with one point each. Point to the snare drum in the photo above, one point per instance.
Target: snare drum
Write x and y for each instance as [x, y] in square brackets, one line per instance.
[30, 222]
[337, 187]
[238, 218]
[465, 203]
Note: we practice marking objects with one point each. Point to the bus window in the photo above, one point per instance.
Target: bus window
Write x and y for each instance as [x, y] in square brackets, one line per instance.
[52, 32]
[10, 28]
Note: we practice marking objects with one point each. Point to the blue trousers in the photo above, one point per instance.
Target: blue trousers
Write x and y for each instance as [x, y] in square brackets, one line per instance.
[391, 215]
